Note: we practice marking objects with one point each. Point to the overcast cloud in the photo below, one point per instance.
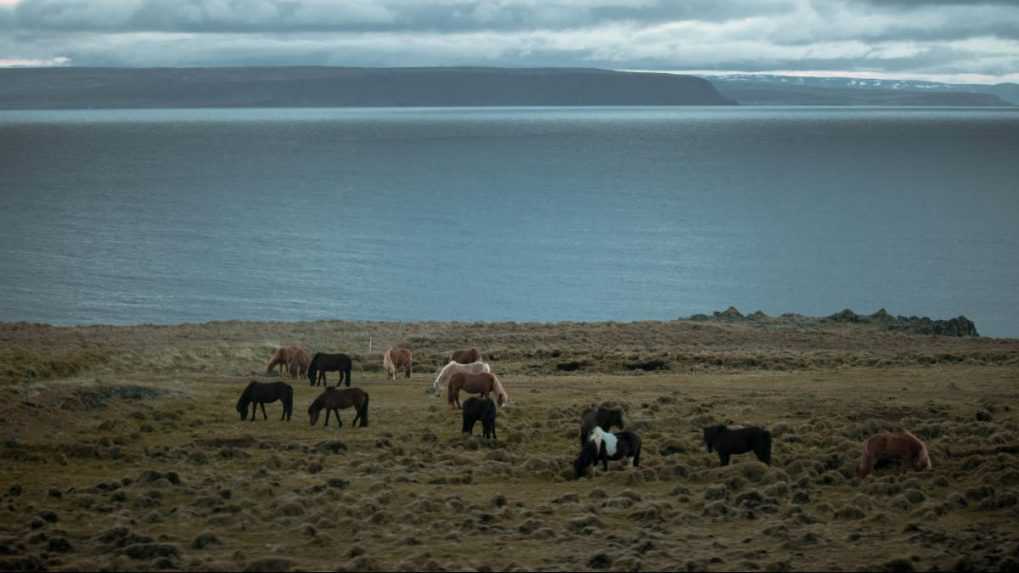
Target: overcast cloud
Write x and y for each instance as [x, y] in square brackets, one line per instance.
[940, 39]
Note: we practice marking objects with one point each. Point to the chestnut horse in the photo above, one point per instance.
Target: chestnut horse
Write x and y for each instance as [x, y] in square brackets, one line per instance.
[453, 367]
[465, 356]
[483, 384]
[396, 360]
[289, 358]
[902, 446]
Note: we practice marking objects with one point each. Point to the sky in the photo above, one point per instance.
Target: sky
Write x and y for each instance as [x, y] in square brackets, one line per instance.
[940, 40]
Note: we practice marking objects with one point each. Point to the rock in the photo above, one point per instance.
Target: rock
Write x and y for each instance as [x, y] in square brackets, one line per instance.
[729, 314]
[205, 539]
[270, 564]
[983, 416]
[59, 545]
[149, 551]
[599, 560]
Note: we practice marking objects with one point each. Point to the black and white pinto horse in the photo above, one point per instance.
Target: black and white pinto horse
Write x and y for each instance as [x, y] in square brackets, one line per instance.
[602, 446]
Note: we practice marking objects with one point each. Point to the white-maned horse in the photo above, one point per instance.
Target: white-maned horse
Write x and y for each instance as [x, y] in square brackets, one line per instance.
[452, 368]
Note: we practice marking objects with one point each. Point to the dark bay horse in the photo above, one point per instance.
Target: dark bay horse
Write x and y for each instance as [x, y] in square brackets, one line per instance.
[902, 446]
[465, 356]
[727, 442]
[333, 400]
[397, 360]
[323, 363]
[483, 383]
[479, 409]
[264, 393]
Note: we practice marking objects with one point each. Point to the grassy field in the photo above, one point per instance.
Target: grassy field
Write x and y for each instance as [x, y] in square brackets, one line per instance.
[122, 450]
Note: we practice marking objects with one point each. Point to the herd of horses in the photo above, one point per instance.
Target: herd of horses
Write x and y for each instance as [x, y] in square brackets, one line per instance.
[466, 372]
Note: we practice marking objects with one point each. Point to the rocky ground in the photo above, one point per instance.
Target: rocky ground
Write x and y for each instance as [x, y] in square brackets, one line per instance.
[122, 450]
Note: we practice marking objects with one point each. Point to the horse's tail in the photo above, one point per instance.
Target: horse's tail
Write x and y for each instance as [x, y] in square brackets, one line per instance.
[288, 401]
[766, 458]
[364, 410]
[387, 363]
[637, 446]
[500, 391]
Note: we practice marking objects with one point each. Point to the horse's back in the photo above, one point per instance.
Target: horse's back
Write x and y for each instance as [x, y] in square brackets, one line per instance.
[466, 356]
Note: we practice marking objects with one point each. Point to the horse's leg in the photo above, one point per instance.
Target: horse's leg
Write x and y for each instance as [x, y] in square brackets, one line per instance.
[724, 458]
[264, 415]
[357, 416]
[339, 422]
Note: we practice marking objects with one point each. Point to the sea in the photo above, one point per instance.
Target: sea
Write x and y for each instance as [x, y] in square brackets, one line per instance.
[508, 214]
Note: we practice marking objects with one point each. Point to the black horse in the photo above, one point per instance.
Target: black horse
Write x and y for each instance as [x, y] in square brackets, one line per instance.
[604, 418]
[264, 393]
[323, 363]
[483, 409]
[602, 446]
[727, 442]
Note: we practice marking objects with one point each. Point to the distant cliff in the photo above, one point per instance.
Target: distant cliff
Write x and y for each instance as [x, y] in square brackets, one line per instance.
[792, 90]
[67, 88]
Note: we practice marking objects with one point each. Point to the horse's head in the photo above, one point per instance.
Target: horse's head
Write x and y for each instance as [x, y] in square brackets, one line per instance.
[709, 435]
[313, 412]
[242, 409]
[923, 460]
[312, 372]
[587, 457]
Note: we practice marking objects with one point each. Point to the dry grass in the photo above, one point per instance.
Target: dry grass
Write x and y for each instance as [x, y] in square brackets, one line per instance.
[139, 461]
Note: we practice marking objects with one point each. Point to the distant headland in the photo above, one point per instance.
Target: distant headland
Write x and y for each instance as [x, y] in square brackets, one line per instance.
[249, 87]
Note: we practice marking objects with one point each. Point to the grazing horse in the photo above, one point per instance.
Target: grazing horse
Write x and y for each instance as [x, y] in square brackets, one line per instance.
[396, 360]
[604, 418]
[602, 446]
[902, 446]
[298, 361]
[483, 384]
[286, 357]
[333, 400]
[465, 356]
[727, 442]
[259, 393]
[323, 363]
[479, 409]
[454, 367]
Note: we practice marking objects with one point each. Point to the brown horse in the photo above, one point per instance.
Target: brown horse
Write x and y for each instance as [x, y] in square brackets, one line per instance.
[333, 400]
[465, 356]
[298, 362]
[483, 383]
[902, 446]
[288, 358]
[397, 360]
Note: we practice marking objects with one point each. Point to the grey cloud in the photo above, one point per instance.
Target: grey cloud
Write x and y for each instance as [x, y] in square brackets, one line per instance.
[369, 15]
[750, 35]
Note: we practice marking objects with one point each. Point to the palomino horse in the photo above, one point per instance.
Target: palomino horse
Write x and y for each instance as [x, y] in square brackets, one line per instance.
[258, 393]
[454, 367]
[333, 400]
[466, 356]
[483, 384]
[902, 446]
[397, 360]
[289, 358]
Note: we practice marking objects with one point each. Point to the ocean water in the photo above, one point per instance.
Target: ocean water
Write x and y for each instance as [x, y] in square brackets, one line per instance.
[524, 214]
